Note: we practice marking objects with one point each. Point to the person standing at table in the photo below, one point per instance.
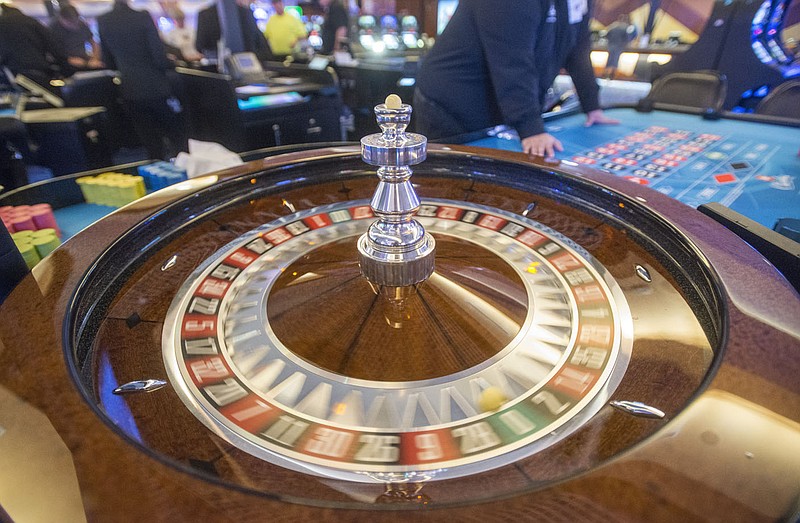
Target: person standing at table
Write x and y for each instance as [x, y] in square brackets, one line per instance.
[28, 48]
[209, 31]
[130, 44]
[335, 27]
[73, 36]
[618, 36]
[283, 31]
[493, 64]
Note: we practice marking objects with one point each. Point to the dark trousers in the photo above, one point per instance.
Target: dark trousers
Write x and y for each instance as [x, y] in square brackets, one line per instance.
[433, 121]
[160, 125]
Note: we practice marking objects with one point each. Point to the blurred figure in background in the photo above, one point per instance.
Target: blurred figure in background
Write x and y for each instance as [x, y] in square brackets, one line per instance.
[27, 47]
[75, 39]
[283, 31]
[180, 40]
[335, 28]
[209, 31]
[131, 44]
[619, 35]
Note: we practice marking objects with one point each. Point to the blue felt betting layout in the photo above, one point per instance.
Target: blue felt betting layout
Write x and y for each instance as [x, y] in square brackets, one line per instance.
[753, 168]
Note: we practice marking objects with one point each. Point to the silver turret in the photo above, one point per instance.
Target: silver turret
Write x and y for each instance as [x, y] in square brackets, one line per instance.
[396, 251]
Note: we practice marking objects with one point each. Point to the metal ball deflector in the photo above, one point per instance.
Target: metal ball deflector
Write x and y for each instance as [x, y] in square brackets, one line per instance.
[396, 251]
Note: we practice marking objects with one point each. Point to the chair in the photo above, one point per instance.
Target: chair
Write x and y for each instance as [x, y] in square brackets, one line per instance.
[704, 90]
[784, 101]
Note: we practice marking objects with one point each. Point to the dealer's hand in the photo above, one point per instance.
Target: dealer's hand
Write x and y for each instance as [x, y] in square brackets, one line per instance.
[542, 145]
[599, 117]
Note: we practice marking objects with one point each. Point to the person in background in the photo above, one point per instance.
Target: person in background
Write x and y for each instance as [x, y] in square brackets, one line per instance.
[209, 31]
[283, 31]
[180, 40]
[619, 35]
[73, 37]
[493, 64]
[335, 27]
[130, 44]
[28, 48]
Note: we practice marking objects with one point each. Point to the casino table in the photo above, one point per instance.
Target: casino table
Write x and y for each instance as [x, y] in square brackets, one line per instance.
[747, 163]
[585, 349]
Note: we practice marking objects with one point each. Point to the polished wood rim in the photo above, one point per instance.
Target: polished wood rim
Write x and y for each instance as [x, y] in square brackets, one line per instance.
[754, 376]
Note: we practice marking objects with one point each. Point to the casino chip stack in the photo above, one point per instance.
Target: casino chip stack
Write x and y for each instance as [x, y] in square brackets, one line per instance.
[111, 189]
[35, 245]
[161, 174]
[29, 218]
[33, 229]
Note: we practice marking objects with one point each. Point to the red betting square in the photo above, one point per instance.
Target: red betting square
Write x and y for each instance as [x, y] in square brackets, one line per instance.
[725, 178]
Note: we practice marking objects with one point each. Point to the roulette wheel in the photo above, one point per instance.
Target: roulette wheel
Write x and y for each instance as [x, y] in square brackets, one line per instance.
[495, 337]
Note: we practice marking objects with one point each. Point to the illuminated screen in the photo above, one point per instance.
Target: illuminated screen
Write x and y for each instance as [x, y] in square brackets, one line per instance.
[389, 22]
[269, 100]
[409, 22]
[366, 21]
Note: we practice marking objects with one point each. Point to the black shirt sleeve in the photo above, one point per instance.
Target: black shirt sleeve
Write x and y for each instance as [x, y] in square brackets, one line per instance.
[507, 31]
